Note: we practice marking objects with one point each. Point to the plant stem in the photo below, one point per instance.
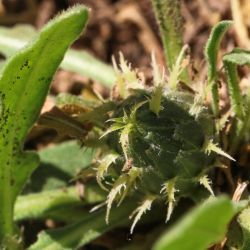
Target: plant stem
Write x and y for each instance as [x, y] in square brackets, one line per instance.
[234, 89]
[241, 128]
[83, 231]
[170, 22]
[211, 54]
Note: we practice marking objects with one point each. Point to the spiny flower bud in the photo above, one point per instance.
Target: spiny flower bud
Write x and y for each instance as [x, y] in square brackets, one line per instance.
[159, 147]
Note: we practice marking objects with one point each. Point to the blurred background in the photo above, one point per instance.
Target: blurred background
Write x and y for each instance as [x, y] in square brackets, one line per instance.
[129, 26]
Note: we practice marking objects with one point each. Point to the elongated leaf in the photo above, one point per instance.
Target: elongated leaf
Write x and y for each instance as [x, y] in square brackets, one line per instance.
[236, 98]
[34, 205]
[24, 84]
[211, 53]
[67, 215]
[200, 228]
[79, 61]
[47, 203]
[212, 47]
[168, 15]
[82, 232]
[240, 105]
[231, 60]
[59, 165]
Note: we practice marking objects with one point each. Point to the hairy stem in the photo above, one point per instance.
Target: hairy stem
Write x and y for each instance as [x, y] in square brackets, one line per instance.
[170, 22]
[241, 128]
[237, 105]
[234, 89]
[211, 54]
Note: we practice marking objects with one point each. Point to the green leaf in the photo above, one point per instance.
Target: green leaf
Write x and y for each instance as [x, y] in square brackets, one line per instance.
[231, 60]
[234, 89]
[46, 204]
[238, 56]
[24, 84]
[168, 15]
[82, 232]
[2, 64]
[66, 215]
[212, 47]
[240, 105]
[59, 165]
[34, 205]
[78, 61]
[244, 221]
[211, 53]
[200, 228]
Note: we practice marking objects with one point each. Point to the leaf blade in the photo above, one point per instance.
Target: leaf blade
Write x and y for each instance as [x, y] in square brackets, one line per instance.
[78, 234]
[24, 84]
[205, 225]
[211, 54]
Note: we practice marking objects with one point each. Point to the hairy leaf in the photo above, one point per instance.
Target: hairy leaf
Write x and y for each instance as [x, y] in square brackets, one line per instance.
[47, 203]
[240, 105]
[231, 60]
[24, 84]
[168, 15]
[82, 232]
[211, 53]
[212, 47]
[34, 205]
[234, 89]
[200, 228]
